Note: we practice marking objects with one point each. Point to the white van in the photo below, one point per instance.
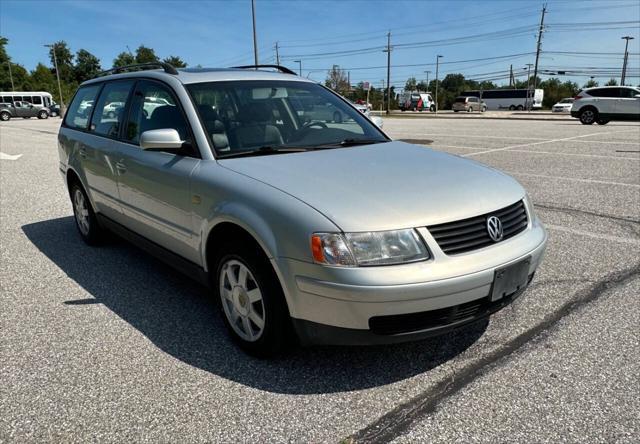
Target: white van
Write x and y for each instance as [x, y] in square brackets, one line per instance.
[415, 101]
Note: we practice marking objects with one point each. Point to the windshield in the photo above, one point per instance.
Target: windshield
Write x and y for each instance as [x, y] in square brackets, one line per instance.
[243, 117]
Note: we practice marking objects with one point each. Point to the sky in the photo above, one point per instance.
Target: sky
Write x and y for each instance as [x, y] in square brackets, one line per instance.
[349, 33]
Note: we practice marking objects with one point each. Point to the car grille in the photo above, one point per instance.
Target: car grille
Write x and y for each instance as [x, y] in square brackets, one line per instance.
[442, 318]
[470, 234]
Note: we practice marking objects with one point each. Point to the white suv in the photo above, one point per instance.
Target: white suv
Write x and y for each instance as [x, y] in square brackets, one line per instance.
[607, 103]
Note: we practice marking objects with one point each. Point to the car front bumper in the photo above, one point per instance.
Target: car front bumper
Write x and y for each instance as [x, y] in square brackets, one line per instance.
[370, 305]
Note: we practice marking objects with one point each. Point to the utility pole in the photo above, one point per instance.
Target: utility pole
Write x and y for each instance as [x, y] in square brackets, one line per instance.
[382, 104]
[427, 72]
[277, 55]
[388, 51]
[55, 63]
[626, 57]
[11, 76]
[528, 85]
[511, 82]
[535, 70]
[437, 69]
[299, 62]
[255, 39]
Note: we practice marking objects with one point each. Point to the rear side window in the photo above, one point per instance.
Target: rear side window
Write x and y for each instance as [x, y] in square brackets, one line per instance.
[81, 106]
[605, 92]
[109, 110]
[36, 100]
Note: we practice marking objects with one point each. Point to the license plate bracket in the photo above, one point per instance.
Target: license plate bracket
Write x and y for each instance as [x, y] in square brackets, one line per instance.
[507, 280]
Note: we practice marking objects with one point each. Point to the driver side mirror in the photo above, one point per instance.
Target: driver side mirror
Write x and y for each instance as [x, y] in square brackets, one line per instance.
[166, 138]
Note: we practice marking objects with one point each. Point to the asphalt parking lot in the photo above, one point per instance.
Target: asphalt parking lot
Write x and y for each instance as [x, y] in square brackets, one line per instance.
[108, 344]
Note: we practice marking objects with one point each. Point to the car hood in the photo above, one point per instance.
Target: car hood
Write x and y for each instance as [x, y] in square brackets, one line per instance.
[384, 186]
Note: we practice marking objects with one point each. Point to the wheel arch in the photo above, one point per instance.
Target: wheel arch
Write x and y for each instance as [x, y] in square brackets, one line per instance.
[72, 177]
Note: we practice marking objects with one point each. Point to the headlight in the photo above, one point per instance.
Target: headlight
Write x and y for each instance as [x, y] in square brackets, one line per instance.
[368, 248]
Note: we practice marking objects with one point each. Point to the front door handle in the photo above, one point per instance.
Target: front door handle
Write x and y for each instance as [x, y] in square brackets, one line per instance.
[121, 168]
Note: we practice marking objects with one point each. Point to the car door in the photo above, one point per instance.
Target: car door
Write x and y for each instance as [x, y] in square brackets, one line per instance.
[154, 185]
[628, 105]
[92, 147]
[20, 109]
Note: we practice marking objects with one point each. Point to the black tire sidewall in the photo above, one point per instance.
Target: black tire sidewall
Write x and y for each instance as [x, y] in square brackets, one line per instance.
[5, 116]
[595, 116]
[43, 115]
[277, 335]
[95, 235]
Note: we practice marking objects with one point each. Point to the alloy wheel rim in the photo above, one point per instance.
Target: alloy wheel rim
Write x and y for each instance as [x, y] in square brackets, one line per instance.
[81, 212]
[588, 116]
[242, 301]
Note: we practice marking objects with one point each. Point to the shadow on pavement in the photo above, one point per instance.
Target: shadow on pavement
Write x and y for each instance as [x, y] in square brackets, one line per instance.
[175, 314]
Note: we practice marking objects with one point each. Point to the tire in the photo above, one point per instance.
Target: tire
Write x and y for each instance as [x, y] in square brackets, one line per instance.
[5, 116]
[603, 121]
[43, 115]
[337, 117]
[512, 107]
[483, 109]
[86, 222]
[456, 110]
[432, 108]
[254, 311]
[470, 109]
[588, 116]
[26, 117]
[520, 107]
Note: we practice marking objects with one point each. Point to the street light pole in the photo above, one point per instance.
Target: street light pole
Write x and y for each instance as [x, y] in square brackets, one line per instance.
[626, 56]
[255, 39]
[427, 72]
[438, 57]
[529, 65]
[55, 63]
[388, 51]
[299, 62]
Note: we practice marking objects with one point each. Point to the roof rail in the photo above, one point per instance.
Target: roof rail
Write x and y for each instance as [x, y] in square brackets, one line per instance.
[169, 69]
[280, 68]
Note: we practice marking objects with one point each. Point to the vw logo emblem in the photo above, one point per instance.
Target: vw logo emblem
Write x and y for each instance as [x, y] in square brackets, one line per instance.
[494, 228]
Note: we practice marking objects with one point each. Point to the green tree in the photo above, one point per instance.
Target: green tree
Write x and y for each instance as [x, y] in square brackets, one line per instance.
[64, 59]
[175, 61]
[422, 86]
[87, 66]
[5, 79]
[411, 84]
[611, 82]
[590, 84]
[43, 79]
[123, 59]
[145, 55]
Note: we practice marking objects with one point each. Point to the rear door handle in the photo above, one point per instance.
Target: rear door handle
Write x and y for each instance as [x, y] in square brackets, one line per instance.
[121, 167]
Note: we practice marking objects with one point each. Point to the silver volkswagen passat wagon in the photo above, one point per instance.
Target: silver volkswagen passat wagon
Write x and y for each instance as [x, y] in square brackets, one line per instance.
[304, 229]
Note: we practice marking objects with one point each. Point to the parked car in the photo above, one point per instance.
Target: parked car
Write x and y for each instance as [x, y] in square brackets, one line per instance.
[605, 103]
[414, 101]
[54, 110]
[332, 234]
[111, 109]
[468, 104]
[25, 110]
[563, 106]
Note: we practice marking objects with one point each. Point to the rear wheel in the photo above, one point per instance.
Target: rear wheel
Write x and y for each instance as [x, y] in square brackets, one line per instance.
[455, 110]
[86, 222]
[5, 115]
[588, 116]
[520, 108]
[432, 108]
[251, 298]
[483, 109]
[43, 115]
[512, 108]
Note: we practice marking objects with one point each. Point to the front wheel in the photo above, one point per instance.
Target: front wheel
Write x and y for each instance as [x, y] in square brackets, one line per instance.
[432, 108]
[484, 108]
[588, 116]
[5, 115]
[253, 304]
[43, 115]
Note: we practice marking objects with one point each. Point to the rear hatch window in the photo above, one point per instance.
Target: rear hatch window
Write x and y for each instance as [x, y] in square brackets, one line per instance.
[461, 100]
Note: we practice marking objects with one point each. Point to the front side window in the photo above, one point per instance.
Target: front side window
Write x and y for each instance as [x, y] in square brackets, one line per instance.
[81, 106]
[153, 107]
[245, 117]
[109, 113]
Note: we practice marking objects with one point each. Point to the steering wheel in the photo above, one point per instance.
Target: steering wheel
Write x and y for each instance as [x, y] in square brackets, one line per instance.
[314, 123]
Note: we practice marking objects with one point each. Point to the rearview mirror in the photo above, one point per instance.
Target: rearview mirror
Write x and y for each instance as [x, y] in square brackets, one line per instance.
[166, 138]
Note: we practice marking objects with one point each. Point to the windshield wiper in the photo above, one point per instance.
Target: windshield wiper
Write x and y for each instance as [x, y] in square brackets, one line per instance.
[350, 142]
[264, 150]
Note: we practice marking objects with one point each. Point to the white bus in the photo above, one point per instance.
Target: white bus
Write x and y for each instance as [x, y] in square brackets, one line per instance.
[511, 99]
[39, 99]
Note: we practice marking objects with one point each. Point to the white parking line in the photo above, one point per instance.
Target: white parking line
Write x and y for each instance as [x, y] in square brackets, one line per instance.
[532, 144]
[4, 156]
[622, 240]
[462, 136]
[574, 154]
[575, 179]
